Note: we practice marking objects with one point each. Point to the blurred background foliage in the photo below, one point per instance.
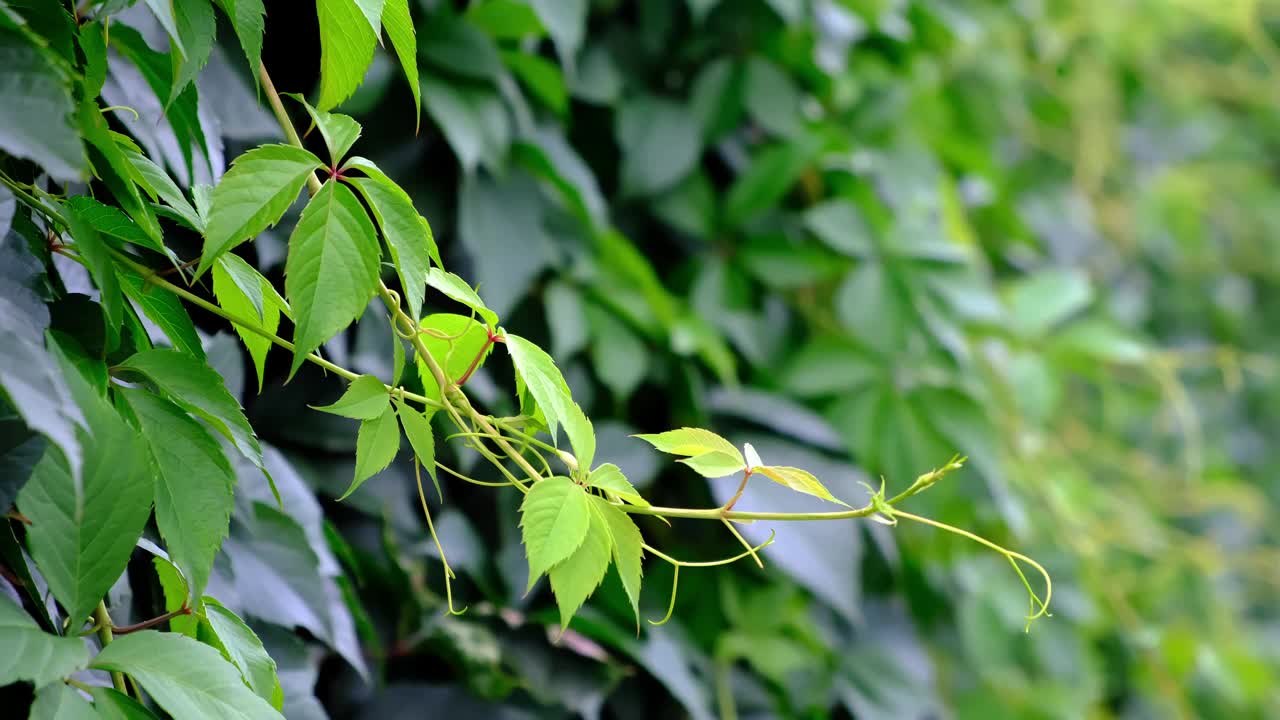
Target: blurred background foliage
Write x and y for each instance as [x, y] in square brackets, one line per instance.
[862, 235]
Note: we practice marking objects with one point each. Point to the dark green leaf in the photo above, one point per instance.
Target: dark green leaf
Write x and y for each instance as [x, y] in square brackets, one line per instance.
[247, 19]
[97, 257]
[472, 117]
[399, 26]
[660, 141]
[566, 21]
[346, 48]
[771, 174]
[196, 27]
[164, 309]
[35, 115]
[408, 235]
[417, 427]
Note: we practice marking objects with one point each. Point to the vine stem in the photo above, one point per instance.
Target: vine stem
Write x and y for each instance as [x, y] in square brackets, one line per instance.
[102, 619]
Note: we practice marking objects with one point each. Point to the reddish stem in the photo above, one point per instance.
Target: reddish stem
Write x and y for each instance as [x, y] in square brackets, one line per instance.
[475, 362]
[126, 629]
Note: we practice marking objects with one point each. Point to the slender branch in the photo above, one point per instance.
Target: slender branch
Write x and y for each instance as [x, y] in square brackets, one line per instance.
[746, 475]
[103, 620]
[282, 117]
[126, 629]
[475, 362]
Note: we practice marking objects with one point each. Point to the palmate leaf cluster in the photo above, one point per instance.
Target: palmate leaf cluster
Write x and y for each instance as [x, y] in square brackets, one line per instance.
[265, 348]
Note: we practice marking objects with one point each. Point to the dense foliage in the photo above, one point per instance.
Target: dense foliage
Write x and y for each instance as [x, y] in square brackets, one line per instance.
[278, 434]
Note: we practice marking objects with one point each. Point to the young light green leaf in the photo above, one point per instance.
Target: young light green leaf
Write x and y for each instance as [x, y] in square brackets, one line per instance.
[31, 654]
[164, 309]
[457, 289]
[417, 427]
[798, 480]
[247, 19]
[752, 457]
[365, 399]
[199, 389]
[691, 442]
[253, 195]
[175, 590]
[83, 529]
[554, 518]
[340, 131]
[197, 27]
[609, 477]
[455, 341]
[399, 26]
[193, 485]
[628, 550]
[409, 239]
[97, 257]
[60, 701]
[540, 375]
[241, 291]
[187, 678]
[346, 49]
[332, 268]
[376, 446]
[244, 649]
[715, 464]
[574, 579]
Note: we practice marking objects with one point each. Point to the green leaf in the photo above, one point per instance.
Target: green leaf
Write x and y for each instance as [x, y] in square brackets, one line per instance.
[709, 454]
[459, 48]
[628, 550]
[253, 195]
[566, 21]
[35, 115]
[376, 446]
[798, 480]
[32, 655]
[83, 529]
[187, 678]
[542, 77]
[241, 291]
[417, 427]
[660, 141]
[467, 339]
[566, 318]
[199, 389]
[163, 11]
[457, 289]
[332, 268]
[539, 373]
[839, 224]
[473, 118]
[398, 23]
[193, 488]
[372, 11]
[340, 131]
[93, 43]
[112, 704]
[618, 355]
[1040, 300]
[175, 589]
[97, 258]
[109, 220]
[346, 48]
[771, 174]
[505, 19]
[61, 702]
[365, 399]
[247, 19]
[574, 579]
[408, 235]
[772, 99]
[157, 183]
[555, 518]
[244, 649]
[715, 464]
[164, 309]
[197, 27]
[609, 477]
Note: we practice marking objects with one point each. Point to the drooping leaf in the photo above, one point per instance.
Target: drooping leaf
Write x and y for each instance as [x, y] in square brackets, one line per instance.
[244, 293]
[609, 477]
[83, 529]
[798, 480]
[399, 26]
[97, 257]
[164, 309]
[660, 142]
[417, 427]
[346, 48]
[473, 118]
[628, 550]
[457, 289]
[543, 78]
[35, 116]
[109, 220]
[247, 19]
[376, 446]
[244, 649]
[163, 12]
[59, 701]
[555, 518]
[620, 357]
[575, 578]
[566, 21]
[106, 151]
[156, 182]
[187, 678]
[773, 171]
[332, 268]
[253, 195]
[540, 375]
[197, 388]
[408, 237]
[193, 488]
[339, 131]
[365, 399]
[196, 27]
[32, 655]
